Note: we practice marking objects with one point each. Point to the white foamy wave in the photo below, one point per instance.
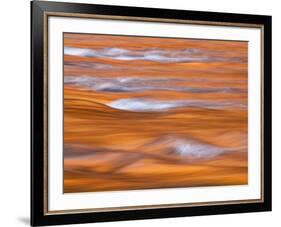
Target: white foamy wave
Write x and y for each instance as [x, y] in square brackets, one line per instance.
[156, 55]
[77, 51]
[136, 84]
[196, 150]
[149, 105]
[143, 105]
[188, 148]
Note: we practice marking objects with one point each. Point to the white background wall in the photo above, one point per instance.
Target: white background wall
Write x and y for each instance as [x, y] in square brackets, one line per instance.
[15, 112]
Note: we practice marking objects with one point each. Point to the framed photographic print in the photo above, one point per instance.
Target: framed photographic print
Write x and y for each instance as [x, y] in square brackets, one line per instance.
[144, 113]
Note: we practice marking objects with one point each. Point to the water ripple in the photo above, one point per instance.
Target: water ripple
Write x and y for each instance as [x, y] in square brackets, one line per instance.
[153, 54]
[151, 105]
[137, 84]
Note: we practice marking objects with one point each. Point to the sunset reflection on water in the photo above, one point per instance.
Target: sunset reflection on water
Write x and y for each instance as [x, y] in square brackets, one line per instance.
[143, 112]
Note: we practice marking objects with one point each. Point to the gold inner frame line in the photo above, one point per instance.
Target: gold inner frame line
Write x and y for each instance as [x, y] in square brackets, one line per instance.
[145, 19]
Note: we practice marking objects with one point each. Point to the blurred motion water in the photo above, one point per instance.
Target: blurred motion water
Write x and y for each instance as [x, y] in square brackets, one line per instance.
[143, 112]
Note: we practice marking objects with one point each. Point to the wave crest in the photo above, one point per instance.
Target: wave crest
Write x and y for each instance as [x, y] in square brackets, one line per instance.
[136, 84]
[153, 54]
[149, 105]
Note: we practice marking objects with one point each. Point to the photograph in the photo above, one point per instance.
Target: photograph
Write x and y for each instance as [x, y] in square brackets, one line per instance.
[143, 113]
[154, 112]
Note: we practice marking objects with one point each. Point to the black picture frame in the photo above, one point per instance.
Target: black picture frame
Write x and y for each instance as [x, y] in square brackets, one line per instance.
[38, 118]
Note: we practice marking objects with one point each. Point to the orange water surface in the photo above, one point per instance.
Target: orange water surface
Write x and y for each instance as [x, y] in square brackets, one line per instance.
[145, 113]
